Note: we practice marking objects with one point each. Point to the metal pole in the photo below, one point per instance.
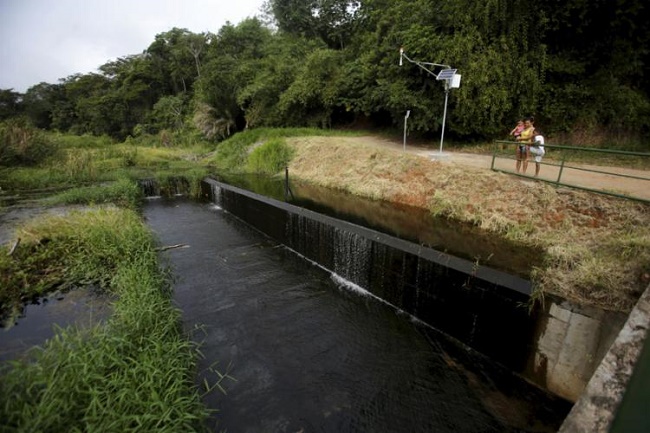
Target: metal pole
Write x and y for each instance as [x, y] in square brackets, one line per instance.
[444, 116]
[287, 188]
[559, 176]
[494, 156]
[408, 112]
[405, 133]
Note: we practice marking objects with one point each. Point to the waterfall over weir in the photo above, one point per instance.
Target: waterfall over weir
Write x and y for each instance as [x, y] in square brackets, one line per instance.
[482, 307]
[171, 187]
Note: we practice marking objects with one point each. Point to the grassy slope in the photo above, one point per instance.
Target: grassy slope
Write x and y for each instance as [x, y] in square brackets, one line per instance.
[597, 247]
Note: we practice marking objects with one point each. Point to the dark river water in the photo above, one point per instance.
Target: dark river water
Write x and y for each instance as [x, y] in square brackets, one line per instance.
[307, 352]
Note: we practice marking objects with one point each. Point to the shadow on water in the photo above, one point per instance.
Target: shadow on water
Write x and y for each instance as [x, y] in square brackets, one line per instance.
[402, 221]
[310, 352]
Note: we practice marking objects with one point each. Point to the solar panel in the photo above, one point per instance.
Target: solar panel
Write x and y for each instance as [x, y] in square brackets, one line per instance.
[446, 74]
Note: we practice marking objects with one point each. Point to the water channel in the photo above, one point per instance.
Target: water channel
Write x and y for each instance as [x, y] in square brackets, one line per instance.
[308, 351]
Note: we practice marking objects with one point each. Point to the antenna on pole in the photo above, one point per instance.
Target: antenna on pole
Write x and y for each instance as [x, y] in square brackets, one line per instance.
[447, 74]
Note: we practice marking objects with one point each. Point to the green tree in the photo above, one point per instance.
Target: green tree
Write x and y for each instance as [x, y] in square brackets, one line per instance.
[314, 93]
[272, 75]
[333, 21]
[10, 104]
[597, 65]
[176, 58]
[491, 44]
[39, 102]
[170, 112]
[574, 65]
[231, 62]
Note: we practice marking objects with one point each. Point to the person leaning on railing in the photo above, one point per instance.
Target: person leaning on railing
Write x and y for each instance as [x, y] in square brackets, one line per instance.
[537, 149]
[524, 140]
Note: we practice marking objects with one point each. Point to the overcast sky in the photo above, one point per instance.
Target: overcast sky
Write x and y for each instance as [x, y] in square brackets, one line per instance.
[45, 40]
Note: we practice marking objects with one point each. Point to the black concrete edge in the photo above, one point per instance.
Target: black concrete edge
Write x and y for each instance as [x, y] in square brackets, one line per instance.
[482, 272]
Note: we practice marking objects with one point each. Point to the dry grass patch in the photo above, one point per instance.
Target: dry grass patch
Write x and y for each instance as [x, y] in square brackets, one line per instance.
[597, 248]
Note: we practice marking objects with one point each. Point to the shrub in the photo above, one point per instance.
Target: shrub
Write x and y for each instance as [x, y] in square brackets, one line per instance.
[22, 144]
[270, 157]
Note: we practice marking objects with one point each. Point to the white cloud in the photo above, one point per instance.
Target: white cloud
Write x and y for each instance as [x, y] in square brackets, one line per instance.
[44, 40]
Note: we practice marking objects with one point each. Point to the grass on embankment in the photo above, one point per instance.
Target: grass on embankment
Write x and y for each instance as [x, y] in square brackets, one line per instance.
[135, 372]
[597, 248]
[263, 150]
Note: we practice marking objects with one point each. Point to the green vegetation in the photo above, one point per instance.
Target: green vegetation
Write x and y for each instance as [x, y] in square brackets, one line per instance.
[240, 152]
[270, 158]
[124, 192]
[73, 161]
[136, 372]
[574, 65]
[23, 145]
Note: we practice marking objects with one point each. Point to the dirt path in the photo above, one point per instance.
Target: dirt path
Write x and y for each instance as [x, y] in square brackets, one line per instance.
[572, 173]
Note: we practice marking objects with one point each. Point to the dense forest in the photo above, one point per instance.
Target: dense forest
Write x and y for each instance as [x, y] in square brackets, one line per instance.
[578, 66]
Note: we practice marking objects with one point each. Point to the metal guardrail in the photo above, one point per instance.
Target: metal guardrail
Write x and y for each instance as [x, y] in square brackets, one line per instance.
[634, 183]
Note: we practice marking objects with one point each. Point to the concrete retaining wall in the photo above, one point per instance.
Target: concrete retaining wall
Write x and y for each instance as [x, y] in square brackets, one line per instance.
[596, 408]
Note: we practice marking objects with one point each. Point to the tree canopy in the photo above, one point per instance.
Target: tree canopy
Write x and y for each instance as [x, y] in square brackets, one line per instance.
[574, 65]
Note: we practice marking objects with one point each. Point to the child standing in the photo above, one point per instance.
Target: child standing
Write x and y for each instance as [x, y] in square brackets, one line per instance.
[537, 149]
[516, 131]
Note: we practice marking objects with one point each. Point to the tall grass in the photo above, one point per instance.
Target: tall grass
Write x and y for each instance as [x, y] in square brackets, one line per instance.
[22, 144]
[270, 158]
[136, 372]
[86, 141]
[233, 154]
[124, 192]
[92, 164]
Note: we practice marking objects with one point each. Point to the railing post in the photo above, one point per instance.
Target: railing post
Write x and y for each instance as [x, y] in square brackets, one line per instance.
[559, 176]
[287, 189]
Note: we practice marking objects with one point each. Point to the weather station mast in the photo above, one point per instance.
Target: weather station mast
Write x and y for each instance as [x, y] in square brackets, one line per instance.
[447, 74]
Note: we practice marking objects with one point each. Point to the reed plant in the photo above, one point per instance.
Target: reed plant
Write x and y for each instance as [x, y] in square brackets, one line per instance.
[133, 373]
[22, 144]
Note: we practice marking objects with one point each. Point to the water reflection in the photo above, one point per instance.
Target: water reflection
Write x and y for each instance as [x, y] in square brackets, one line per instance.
[36, 322]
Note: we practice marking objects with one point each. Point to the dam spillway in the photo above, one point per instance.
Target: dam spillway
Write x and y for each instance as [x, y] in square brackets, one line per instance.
[482, 307]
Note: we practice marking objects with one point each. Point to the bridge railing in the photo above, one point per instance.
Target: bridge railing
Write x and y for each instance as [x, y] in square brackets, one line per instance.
[564, 166]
